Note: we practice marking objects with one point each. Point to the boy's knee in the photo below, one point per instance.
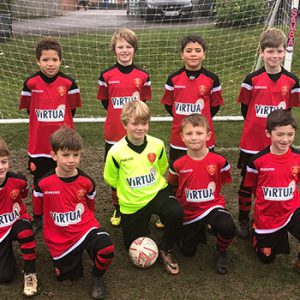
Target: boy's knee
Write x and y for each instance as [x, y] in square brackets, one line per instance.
[175, 213]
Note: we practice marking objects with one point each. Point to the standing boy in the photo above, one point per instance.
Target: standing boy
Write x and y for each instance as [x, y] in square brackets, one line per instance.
[50, 98]
[199, 176]
[66, 198]
[15, 225]
[135, 166]
[273, 175]
[191, 89]
[119, 84]
[267, 89]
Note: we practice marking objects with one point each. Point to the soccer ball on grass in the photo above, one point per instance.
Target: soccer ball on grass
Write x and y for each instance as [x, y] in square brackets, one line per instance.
[143, 252]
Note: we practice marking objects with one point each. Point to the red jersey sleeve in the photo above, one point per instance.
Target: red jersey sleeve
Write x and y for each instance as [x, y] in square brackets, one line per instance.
[74, 96]
[102, 88]
[225, 173]
[146, 91]
[25, 97]
[37, 196]
[168, 97]
[216, 98]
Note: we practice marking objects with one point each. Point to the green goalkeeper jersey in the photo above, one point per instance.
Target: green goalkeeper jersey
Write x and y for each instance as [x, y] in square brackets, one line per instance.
[138, 177]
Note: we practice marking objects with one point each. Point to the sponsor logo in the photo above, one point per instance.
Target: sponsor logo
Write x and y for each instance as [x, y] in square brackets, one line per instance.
[179, 86]
[63, 219]
[201, 195]
[61, 91]
[119, 102]
[279, 193]
[211, 169]
[151, 157]
[8, 219]
[143, 180]
[126, 159]
[37, 91]
[14, 194]
[51, 115]
[113, 81]
[189, 108]
[262, 111]
[267, 169]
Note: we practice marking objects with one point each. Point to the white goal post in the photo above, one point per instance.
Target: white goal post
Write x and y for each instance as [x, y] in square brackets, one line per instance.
[230, 28]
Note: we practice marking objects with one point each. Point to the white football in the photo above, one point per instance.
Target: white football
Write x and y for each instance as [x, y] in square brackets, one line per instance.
[143, 252]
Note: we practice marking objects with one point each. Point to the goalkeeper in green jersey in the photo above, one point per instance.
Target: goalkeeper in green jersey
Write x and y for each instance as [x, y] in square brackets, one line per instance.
[135, 166]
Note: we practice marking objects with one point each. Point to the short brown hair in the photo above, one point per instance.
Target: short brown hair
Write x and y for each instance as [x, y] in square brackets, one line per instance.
[135, 109]
[193, 38]
[66, 138]
[128, 35]
[273, 38]
[280, 117]
[48, 43]
[3, 148]
[195, 120]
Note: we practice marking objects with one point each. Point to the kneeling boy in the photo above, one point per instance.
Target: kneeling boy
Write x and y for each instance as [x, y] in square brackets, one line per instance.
[66, 198]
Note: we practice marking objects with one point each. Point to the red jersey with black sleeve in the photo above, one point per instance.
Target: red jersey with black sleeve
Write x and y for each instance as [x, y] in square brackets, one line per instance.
[119, 85]
[50, 102]
[191, 92]
[66, 205]
[12, 191]
[199, 184]
[263, 93]
[274, 179]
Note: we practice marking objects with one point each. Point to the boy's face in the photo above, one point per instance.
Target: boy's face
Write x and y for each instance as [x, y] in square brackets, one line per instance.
[67, 162]
[136, 131]
[4, 165]
[193, 55]
[124, 52]
[195, 137]
[282, 137]
[273, 58]
[49, 63]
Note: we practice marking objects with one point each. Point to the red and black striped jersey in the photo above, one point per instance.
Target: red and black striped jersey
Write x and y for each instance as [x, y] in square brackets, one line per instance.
[12, 191]
[50, 102]
[68, 208]
[119, 85]
[262, 95]
[188, 94]
[274, 180]
[199, 184]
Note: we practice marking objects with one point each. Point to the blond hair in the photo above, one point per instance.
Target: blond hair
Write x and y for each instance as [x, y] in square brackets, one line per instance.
[135, 109]
[195, 120]
[273, 38]
[128, 35]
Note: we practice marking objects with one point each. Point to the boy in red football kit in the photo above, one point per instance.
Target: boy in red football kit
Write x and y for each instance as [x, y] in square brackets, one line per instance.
[198, 177]
[119, 84]
[191, 89]
[267, 89]
[15, 225]
[50, 98]
[65, 196]
[273, 175]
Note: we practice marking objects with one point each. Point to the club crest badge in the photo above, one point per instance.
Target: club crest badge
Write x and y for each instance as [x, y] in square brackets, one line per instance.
[137, 82]
[284, 90]
[266, 251]
[14, 194]
[151, 157]
[61, 91]
[211, 169]
[202, 89]
[295, 170]
[81, 193]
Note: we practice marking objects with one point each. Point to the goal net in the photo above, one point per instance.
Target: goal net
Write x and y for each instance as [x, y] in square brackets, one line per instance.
[230, 28]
